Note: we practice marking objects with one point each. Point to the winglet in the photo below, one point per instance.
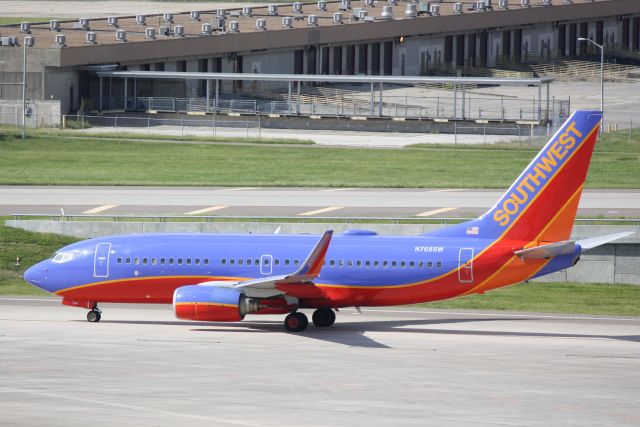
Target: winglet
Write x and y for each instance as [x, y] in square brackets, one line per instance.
[313, 264]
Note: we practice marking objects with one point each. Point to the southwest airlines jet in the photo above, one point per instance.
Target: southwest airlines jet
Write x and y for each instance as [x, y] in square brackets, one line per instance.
[223, 277]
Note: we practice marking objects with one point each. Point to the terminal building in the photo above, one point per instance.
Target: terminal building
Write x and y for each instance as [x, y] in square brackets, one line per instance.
[347, 37]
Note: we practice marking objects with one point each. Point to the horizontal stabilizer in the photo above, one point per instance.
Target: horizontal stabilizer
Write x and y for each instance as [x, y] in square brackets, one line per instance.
[593, 242]
[547, 251]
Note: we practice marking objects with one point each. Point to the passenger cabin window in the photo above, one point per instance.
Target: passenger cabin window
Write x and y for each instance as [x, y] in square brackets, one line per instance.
[240, 261]
[179, 261]
[188, 260]
[439, 264]
[154, 261]
[206, 261]
[136, 261]
[119, 260]
[276, 262]
[162, 261]
[223, 261]
[197, 261]
[170, 261]
[332, 262]
[430, 264]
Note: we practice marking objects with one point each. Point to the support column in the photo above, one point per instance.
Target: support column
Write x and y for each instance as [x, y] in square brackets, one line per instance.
[463, 101]
[380, 102]
[217, 95]
[298, 97]
[547, 109]
[455, 101]
[289, 97]
[539, 101]
[372, 101]
[206, 110]
[124, 106]
[135, 94]
[100, 97]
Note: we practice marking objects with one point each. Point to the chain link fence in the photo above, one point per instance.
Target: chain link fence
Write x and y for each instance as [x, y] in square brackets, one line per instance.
[182, 126]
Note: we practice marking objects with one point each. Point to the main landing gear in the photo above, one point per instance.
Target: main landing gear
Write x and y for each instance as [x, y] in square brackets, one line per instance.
[298, 322]
[95, 314]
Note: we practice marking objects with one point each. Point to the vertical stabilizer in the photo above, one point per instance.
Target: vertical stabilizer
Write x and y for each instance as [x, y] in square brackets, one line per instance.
[542, 203]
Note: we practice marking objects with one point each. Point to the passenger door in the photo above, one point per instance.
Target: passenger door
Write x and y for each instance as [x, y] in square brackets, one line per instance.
[101, 260]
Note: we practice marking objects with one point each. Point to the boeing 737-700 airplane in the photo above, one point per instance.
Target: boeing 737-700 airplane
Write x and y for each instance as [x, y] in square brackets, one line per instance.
[223, 277]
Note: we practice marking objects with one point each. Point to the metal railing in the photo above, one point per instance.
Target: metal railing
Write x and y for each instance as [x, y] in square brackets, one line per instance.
[463, 106]
[299, 219]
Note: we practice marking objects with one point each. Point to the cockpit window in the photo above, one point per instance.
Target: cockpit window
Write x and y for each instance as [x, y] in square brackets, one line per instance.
[61, 257]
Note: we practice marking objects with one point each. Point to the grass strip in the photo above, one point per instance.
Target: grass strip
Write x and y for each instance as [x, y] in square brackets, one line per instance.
[169, 138]
[56, 159]
[537, 297]
[619, 300]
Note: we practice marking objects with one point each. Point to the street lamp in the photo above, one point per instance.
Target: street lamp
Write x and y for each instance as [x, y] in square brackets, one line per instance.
[28, 42]
[583, 39]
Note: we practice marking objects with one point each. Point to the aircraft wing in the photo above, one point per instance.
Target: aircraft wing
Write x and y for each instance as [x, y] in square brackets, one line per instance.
[300, 283]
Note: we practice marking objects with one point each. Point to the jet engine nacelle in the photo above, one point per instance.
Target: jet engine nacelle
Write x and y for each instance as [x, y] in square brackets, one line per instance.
[209, 303]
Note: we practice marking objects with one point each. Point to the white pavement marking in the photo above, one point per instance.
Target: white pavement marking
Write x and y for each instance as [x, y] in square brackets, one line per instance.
[329, 190]
[436, 211]
[100, 209]
[319, 211]
[447, 190]
[210, 209]
[238, 189]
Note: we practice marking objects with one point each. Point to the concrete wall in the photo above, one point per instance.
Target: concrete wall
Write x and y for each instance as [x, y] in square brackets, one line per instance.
[43, 113]
[612, 263]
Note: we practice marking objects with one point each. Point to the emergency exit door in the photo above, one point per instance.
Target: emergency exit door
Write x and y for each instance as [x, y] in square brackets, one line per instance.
[465, 265]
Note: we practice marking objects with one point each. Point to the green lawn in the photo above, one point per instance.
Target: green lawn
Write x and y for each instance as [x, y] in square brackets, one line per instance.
[57, 160]
[31, 248]
[621, 300]
[613, 300]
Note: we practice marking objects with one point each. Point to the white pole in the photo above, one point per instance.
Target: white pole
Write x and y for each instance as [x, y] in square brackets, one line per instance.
[24, 87]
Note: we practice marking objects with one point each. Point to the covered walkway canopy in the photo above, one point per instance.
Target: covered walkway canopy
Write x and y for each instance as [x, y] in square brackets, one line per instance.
[457, 83]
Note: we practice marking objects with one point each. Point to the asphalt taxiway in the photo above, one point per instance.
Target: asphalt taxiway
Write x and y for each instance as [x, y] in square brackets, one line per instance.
[265, 201]
[141, 366]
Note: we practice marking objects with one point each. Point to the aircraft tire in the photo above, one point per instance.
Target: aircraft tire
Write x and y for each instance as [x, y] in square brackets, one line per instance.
[323, 317]
[296, 322]
[93, 316]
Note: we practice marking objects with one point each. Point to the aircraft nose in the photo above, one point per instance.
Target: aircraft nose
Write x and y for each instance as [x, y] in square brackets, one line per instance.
[35, 275]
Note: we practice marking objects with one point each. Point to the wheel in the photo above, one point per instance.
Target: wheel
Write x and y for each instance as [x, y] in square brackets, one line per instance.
[324, 317]
[296, 322]
[93, 316]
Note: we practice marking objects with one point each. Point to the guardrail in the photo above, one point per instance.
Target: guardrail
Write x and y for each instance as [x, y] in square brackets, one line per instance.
[229, 218]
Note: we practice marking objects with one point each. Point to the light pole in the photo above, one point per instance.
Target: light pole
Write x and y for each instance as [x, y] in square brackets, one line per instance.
[28, 42]
[584, 39]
